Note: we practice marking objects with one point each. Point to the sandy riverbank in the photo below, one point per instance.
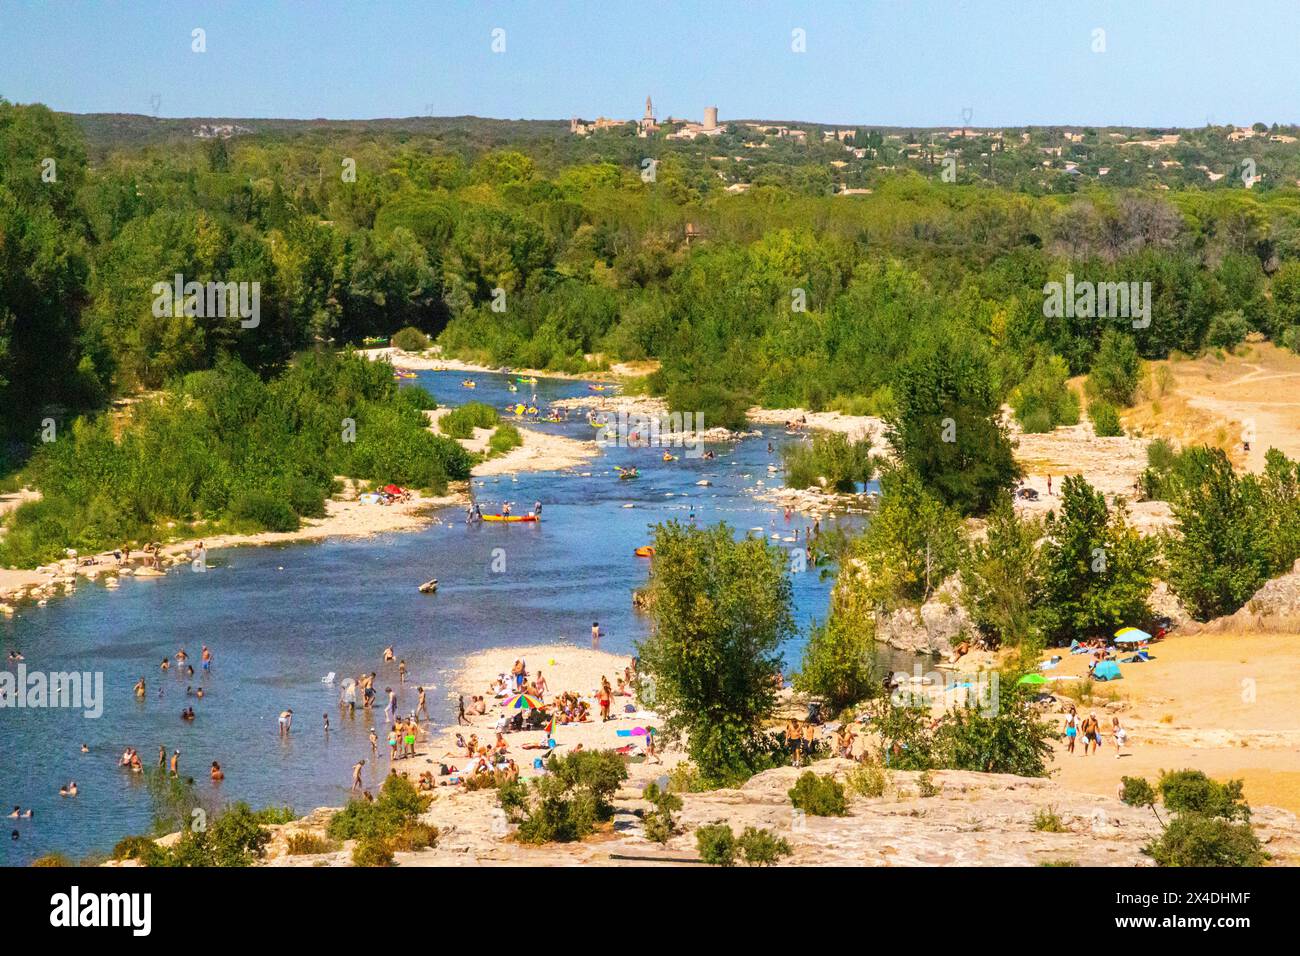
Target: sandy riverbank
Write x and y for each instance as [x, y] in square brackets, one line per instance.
[433, 361]
[565, 667]
[540, 451]
[345, 517]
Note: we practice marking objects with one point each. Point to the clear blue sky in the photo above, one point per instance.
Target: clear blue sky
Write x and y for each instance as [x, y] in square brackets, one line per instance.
[894, 62]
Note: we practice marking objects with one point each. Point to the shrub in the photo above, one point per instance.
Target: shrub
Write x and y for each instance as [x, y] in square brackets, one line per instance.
[1006, 738]
[398, 806]
[1191, 791]
[926, 786]
[1044, 399]
[309, 844]
[1116, 369]
[833, 458]
[838, 664]
[1211, 823]
[659, 823]
[265, 511]
[868, 780]
[233, 838]
[1047, 820]
[1105, 420]
[52, 860]
[568, 803]
[1227, 330]
[414, 836]
[410, 339]
[372, 851]
[821, 796]
[132, 847]
[1194, 839]
[1136, 792]
[504, 438]
[685, 777]
[461, 422]
[1291, 338]
[716, 844]
[762, 847]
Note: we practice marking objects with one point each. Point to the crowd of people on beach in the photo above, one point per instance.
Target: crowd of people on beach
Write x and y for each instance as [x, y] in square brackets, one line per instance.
[487, 749]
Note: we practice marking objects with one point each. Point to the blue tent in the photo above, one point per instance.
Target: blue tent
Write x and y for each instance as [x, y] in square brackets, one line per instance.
[1107, 670]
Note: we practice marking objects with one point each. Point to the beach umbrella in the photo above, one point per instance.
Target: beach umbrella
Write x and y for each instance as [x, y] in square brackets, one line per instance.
[522, 702]
[1032, 679]
[1131, 635]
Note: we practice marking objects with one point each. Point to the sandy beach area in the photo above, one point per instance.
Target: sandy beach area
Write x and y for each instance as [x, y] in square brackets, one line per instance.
[1222, 703]
[540, 451]
[345, 517]
[565, 667]
[434, 361]
[855, 426]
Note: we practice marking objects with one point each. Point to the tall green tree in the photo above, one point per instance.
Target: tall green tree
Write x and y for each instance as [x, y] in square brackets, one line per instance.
[720, 609]
[1115, 369]
[913, 543]
[947, 427]
[1001, 577]
[1098, 571]
[1217, 553]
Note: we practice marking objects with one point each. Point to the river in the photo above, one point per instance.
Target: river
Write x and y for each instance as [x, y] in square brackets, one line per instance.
[279, 618]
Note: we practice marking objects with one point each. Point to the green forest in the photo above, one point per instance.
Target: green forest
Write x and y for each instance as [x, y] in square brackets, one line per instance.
[534, 248]
[740, 264]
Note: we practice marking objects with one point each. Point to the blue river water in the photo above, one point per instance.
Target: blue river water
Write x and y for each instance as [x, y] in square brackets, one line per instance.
[278, 618]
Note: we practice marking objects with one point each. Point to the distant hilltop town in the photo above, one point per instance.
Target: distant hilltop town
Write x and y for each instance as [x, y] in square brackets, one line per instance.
[648, 125]
[220, 130]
